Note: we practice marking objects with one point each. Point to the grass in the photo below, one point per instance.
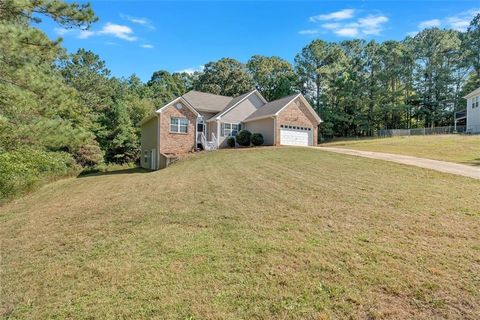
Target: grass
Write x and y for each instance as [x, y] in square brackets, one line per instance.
[454, 148]
[262, 233]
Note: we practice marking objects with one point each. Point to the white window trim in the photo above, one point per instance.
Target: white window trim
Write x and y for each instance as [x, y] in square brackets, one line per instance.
[178, 125]
[231, 124]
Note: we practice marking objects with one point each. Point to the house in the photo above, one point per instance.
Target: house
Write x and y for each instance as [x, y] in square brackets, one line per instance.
[199, 120]
[472, 114]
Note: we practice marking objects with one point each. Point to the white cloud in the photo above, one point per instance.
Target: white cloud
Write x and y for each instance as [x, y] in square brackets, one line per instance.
[192, 70]
[118, 31]
[370, 25]
[62, 31]
[146, 46]
[459, 22]
[346, 32]
[346, 25]
[85, 34]
[331, 26]
[430, 23]
[309, 31]
[139, 20]
[337, 15]
[412, 33]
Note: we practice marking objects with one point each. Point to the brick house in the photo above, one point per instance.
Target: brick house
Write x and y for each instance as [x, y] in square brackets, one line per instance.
[199, 120]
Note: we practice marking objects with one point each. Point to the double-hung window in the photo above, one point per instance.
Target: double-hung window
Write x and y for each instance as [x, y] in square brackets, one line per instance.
[178, 125]
[230, 129]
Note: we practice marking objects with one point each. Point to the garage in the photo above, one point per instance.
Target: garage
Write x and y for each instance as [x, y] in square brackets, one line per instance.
[295, 135]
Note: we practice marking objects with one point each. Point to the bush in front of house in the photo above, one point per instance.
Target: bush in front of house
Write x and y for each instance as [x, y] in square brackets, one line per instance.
[231, 142]
[244, 138]
[257, 139]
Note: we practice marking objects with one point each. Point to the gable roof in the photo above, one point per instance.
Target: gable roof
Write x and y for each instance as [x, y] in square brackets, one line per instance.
[206, 101]
[236, 101]
[273, 108]
[182, 99]
[473, 93]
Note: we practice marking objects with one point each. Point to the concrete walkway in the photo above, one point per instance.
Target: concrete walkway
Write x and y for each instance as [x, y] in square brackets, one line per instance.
[443, 166]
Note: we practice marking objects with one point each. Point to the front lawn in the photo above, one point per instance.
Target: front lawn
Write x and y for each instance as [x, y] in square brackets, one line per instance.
[454, 148]
[239, 234]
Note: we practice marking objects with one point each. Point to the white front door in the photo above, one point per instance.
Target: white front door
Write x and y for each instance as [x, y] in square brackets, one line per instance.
[296, 135]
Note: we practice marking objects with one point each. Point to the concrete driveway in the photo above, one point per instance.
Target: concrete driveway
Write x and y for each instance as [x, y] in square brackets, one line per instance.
[442, 166]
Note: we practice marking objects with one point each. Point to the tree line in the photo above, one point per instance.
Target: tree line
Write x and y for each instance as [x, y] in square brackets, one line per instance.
[60, 111]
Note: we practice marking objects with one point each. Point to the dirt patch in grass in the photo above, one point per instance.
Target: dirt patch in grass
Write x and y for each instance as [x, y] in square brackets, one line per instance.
[264, 233]
[454, 148]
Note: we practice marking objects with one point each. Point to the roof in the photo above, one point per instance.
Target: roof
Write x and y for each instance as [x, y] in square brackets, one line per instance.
[237, 100]
[473, 93]
[206, 101]
[271, 108]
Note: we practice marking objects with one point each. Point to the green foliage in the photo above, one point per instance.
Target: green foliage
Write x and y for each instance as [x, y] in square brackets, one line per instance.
[257, 139]
[243, 138]
[23, 169]
[231, 142]
[89, 155]
[273, 76]
[226, 77]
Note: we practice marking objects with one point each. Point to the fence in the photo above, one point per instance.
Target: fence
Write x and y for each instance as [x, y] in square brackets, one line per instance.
[420, 131]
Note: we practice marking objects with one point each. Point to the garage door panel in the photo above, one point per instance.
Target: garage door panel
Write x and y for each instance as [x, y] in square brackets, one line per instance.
[295, 136]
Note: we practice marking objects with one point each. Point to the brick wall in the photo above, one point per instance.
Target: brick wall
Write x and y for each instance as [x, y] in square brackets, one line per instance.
[297, 114]
[177, 143]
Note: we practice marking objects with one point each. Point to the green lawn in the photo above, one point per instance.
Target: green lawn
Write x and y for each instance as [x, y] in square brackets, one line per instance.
[285, 233]
[455, 148]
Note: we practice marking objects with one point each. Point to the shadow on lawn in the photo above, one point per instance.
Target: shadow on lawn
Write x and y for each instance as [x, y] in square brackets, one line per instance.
[113, 172]
[475, 162]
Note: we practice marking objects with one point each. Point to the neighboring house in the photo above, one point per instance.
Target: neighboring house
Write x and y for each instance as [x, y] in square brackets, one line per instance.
[199, 120]
[472, 114]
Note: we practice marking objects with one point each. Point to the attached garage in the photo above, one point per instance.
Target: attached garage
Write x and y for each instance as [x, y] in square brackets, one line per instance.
[289, 121]
[296, 136]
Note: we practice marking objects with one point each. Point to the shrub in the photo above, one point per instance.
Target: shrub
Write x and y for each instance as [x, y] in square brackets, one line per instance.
[21, 170]
[231, 142]
[243, 138]
[257, 139]
[89, 155]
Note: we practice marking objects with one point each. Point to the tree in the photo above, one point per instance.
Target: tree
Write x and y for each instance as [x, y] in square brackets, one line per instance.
[165, 86]
[226, 77]
[471, 46]
[273, 76]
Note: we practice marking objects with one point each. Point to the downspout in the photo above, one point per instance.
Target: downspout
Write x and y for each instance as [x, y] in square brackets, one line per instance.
[274, 130]
[218, 134]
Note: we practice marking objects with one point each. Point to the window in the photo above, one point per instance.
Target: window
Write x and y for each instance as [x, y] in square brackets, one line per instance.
[146, 157]
[178, 125]
[230, 129]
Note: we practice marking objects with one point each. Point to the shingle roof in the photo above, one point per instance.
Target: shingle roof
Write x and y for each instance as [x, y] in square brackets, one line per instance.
[473, 93]
[272, 107]
[234, 101]
[206, 101]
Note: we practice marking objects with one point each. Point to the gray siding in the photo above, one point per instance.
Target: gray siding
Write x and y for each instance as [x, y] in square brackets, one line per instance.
[265, 127]
[240, 113]
[149, 141]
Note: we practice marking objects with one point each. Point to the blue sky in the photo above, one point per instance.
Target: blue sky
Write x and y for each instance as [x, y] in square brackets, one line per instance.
[144, 36]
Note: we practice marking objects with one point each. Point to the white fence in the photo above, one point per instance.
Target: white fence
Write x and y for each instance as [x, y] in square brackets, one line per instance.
[421, 131]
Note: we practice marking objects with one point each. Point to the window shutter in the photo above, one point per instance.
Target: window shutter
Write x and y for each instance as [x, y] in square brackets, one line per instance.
[221, 129]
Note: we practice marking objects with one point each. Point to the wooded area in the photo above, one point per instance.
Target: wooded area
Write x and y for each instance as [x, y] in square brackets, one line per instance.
[60, 112]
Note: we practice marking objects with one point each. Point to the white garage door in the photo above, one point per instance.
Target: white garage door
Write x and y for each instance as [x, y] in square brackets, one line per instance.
[295, 136]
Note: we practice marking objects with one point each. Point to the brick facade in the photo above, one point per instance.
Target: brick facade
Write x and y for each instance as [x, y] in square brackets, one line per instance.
[296, 114]
[177, 143]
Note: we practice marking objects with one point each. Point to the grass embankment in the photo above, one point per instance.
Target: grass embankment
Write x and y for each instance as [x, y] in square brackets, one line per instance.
[262, 233]
[454, 148]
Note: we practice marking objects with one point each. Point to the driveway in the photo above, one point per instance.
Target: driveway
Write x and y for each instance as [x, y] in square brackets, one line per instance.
[442, 166]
